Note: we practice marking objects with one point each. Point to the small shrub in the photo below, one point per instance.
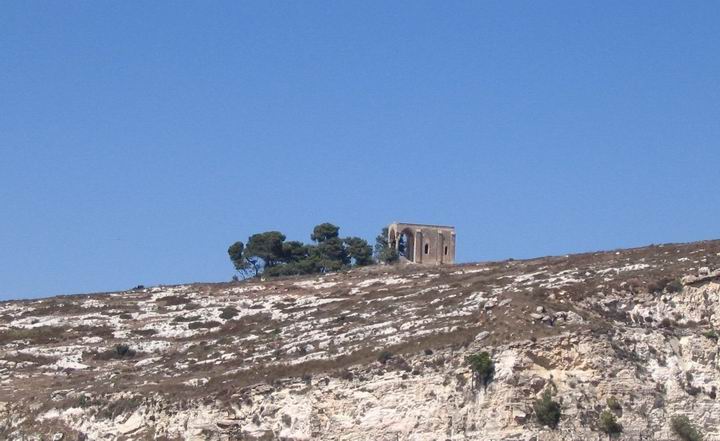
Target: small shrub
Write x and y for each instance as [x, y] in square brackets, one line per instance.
[667, 323]
[191, 306]
[145, 332]
[186, 318]
[608, 424]
[118, 351]
[346, 374]
[204, 325]
[228, 312]
[483, 367]
[385, 356]
[613, 404]
[657, 286]
[711, 334]
[85, 402]
[689, 388]
[674, 286]
[547, 411]
[682, 426]
[123, 351]
[693, 390]
[173, 300]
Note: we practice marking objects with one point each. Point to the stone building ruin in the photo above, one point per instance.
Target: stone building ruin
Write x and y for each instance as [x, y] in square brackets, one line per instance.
[420, 243]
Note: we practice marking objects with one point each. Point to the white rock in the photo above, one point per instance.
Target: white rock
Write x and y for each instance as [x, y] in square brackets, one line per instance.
[481, 335]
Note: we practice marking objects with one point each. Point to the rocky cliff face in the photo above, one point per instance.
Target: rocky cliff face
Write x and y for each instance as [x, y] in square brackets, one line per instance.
[377, 354]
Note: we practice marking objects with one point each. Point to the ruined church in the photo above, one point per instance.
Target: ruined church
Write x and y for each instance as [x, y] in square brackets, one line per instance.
[420, 243]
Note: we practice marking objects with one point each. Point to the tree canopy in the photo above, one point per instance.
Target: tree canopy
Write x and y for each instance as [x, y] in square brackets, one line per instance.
[324, 232]
[270, 254]
[267, 246]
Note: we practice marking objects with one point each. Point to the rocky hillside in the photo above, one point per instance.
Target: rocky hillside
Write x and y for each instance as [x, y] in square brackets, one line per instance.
[377, 354]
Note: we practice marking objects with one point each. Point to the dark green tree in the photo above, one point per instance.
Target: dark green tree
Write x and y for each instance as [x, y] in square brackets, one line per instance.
[270, 254]
[330, 255]
[294, 251]
[295, 261]
[235, 251]
[267, 246]
[324, 231]
[547, 410]
[304, 266]
[384, 253]
[242, 264]
[483, 367]
[359, 251]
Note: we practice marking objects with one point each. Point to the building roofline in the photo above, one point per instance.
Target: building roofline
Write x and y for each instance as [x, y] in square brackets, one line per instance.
[423, 225]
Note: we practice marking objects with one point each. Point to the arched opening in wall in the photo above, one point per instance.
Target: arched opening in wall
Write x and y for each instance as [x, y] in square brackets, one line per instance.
[427, 248]
[392, 238]
[406, 244]
[446, 250]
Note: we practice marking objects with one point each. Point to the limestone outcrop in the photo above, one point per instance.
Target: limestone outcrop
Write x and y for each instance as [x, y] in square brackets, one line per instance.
[376, 354]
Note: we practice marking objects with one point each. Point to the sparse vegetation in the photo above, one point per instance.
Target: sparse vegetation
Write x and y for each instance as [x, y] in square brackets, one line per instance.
[667, 323]
[482, 366]
[547, 410]
[613, 404]
[173, 300]
[228, 312]
[186, 318]
[37, 335]
[122, 351]
[674, 286]
[20, 357]
[144, 332]
[711, 334]
[204, 325]
[689, 388]
[682, 426]
[279, 332]
[119, 351]
[120, 406]
[608, 423]
[384, 356]
[85, 401]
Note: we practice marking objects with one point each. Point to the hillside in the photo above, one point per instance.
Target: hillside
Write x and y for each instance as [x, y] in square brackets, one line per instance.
[376, 353]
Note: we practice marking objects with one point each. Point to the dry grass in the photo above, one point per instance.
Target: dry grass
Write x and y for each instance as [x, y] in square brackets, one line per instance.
[35, 336]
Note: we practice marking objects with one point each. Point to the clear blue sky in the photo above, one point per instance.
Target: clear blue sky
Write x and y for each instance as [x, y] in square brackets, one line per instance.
[139, 139]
